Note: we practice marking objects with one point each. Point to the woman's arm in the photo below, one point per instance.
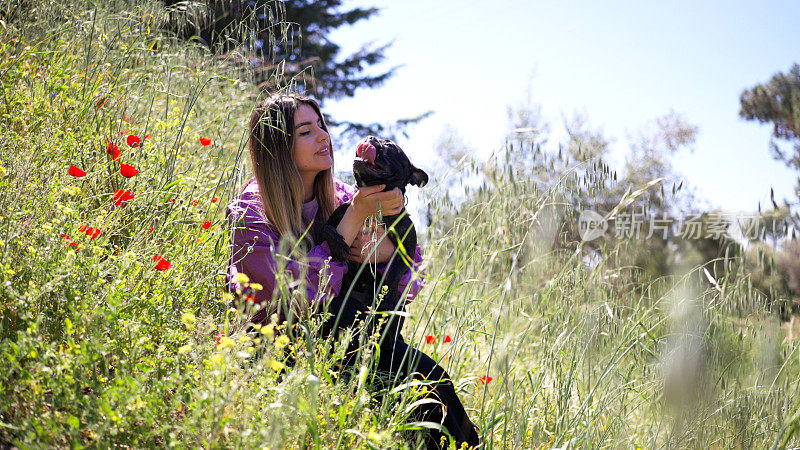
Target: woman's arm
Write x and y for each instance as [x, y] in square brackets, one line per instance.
[351, 224]
[254, 254]
[371, 245]
[363, 249]
[367, 201]
[412, 280]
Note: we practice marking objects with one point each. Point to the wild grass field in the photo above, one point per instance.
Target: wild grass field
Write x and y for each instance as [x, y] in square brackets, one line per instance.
[116, 328]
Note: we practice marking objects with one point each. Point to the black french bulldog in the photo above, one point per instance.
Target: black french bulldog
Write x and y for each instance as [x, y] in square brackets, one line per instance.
[387, 165]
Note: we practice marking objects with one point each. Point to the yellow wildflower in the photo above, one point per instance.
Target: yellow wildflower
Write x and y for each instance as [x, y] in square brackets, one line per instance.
[188, 320]
[71, 190]
[282, 341]
[226, 342]
[268, 331]
[241, 278]
[275, 365]
[217, 361]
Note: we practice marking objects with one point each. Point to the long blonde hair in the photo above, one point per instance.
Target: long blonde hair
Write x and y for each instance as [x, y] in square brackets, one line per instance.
[271, 145]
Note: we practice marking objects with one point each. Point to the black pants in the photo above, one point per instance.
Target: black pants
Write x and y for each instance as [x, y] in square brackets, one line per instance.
[400, 360]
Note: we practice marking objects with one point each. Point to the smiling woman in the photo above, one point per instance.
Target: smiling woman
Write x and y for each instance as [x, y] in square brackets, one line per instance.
[292, 195]
[312, 147]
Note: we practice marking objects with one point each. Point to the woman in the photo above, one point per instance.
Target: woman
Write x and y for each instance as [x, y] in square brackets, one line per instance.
[291, 195]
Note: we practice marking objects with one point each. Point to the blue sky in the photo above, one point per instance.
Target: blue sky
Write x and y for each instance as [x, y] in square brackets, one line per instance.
[619, 63]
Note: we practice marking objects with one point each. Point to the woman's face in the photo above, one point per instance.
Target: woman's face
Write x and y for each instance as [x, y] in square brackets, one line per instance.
[312, 145]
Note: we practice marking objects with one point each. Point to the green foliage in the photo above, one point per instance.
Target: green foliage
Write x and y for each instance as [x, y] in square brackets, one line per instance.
[598, 355]
[101, 348]
[293, 33]
[775, 272]
[777, 101]
[280, 44]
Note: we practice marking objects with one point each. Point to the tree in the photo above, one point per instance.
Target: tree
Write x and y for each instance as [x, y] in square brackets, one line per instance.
[583, 143]
[287, 44]
[294, 33]
[775, 272]
[777, 102]
[454, 168]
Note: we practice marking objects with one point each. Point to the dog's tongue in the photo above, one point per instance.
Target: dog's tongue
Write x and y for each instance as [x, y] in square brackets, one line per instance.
[366, 152]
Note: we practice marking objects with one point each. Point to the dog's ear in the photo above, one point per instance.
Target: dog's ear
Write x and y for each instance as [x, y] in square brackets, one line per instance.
[418, 177]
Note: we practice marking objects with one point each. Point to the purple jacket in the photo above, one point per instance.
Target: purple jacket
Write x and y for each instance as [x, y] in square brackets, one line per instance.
[254, 247]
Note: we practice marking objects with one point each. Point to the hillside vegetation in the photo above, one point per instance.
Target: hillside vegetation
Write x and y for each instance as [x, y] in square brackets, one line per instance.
[116, 328]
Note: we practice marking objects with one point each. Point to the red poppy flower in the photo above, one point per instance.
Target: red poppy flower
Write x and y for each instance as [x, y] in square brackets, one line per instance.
[82, 228]
[205, 142]
[161, 263]
[447, 338]
[147, 136]
[172, 199]
[113, 150]
[215, 200]
[92, 232]
[150, 230]
[133, 141]
[75, 244]
[65, 236]
[250, 299]
[206, 225]
[127, 170]
[220, 336]
[121, 195]
[126, 119]
[195, 202]
[122, 132]
[430, 339]
[76, 172]
[486, 379]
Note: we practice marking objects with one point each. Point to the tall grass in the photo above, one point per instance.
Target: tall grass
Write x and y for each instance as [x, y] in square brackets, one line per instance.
[100, 348]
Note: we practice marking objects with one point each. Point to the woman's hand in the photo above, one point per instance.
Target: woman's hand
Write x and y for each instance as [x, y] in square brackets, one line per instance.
[365, 203]
[369, 198]
[364, 245]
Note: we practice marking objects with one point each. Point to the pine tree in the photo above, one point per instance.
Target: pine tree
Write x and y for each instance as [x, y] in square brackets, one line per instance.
[293, 33]
[777, 102]
[283, 43]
